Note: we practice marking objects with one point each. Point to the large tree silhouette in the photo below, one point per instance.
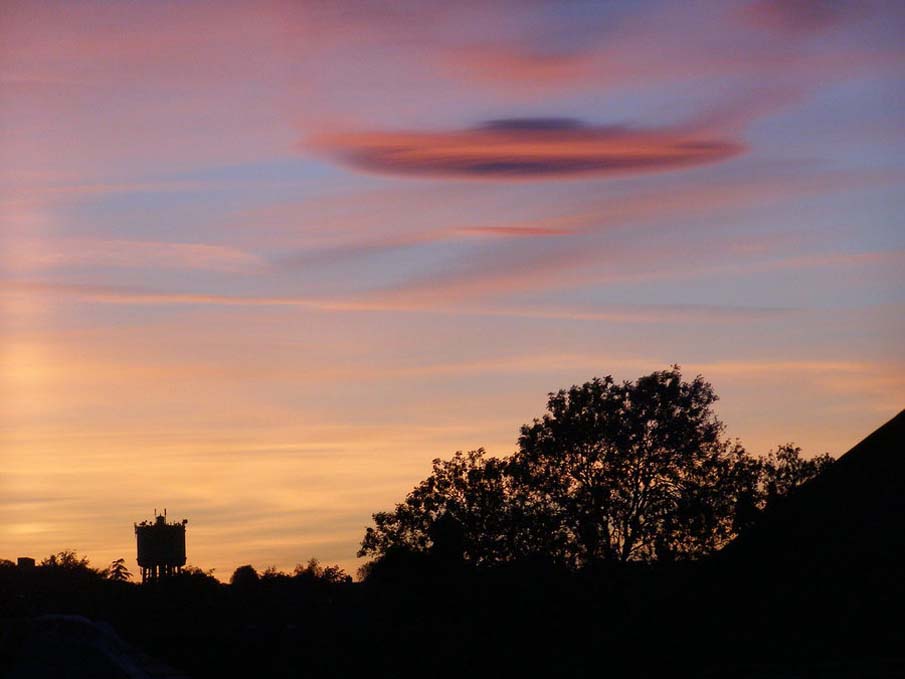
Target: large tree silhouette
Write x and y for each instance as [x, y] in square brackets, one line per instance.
[633, 470]
[613, 471]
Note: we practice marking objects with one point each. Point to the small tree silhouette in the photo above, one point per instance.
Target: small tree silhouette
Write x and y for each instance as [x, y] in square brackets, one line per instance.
[465, 504]
[66, 560]
[118, 572]
[314, 572]
[784, 469]
[244, 577]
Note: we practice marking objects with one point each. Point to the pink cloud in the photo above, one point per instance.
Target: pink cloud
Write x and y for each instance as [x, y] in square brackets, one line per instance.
[527, 149]
[507, 231]
[519, 68]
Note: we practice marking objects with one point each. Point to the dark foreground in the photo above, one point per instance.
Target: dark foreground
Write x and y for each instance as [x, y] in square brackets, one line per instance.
[815, 589]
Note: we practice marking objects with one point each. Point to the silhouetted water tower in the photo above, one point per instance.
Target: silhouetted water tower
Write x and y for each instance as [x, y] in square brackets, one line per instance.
[161, 547]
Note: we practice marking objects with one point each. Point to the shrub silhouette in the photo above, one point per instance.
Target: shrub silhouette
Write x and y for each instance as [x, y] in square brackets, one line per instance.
[245, 577]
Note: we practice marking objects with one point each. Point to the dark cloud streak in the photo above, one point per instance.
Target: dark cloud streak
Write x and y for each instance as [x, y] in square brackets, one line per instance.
[805, 16]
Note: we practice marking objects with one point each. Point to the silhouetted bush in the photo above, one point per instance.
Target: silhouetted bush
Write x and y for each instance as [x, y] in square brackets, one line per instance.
[245, 578]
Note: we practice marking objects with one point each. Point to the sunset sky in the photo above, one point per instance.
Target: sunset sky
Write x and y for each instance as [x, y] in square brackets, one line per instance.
[260, 262]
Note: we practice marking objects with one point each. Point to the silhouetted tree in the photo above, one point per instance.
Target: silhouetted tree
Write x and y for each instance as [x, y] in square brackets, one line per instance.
[244, 577]
[314, 572]
[196, 573]
[772, 477]
[633, 470]
[783, 470]
[461, 510]
[118, 572]
[196, 580]
[614, 471]
[447, 536]
[273, 576]
[66, 560]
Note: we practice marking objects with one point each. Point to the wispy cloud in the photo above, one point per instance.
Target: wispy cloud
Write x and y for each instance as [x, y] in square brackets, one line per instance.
[514, 231]
[131, 254]
[519, 68]
[642, 313]
[610, 241]
[804, 16]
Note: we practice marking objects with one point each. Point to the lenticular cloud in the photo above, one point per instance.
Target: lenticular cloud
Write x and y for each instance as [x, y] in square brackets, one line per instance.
[527, 148]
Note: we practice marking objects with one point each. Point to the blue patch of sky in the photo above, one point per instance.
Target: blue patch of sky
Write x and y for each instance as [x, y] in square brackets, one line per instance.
[802, 285]
[847, 124]
[192, 206]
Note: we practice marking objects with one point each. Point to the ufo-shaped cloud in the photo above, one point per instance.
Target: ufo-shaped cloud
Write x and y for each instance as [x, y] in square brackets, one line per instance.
[526, 148]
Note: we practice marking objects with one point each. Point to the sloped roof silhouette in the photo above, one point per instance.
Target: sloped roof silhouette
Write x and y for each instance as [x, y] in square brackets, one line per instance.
[854, 511]
[821, 574]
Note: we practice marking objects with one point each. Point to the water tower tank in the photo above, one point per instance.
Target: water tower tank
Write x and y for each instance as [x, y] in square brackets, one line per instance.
[161, 547]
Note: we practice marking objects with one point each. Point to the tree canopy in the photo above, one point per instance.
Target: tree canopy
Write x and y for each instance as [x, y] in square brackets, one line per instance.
[66, 560]
[613, 471]
[632, 470]
[460, 510]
